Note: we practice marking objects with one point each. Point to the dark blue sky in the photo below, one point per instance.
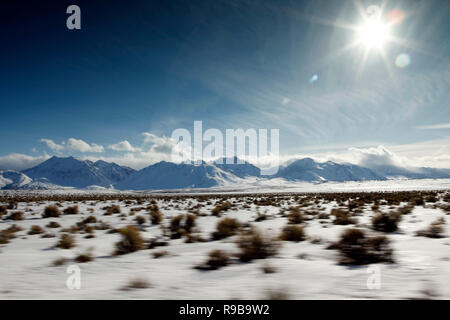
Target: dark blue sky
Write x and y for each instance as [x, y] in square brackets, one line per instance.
[154, 66]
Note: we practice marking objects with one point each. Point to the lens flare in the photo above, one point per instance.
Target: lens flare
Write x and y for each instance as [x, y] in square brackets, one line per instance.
[402, 60]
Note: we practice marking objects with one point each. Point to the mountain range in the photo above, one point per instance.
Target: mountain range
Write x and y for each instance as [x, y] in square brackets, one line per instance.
[60, 173]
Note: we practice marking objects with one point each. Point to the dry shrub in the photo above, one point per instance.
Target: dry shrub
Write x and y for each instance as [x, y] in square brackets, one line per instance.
[59, 262]
[216, 259]
[268, 269]
[138, 283]
[90, 219]
[254, 245]
[160, 254]
[156, 216]
[5, 236]
[131, 241]
[190, 223]
[435, 229]
[278, 294]
[51, 212]
[219, 208]
[386, 222]
[16, 216]
[3, 211]
[140, 220]
[84, 257]
[295, 216]
[71, 210]
[66, 241]
[157, 243]
[226, 227]
[357, 248]
[182, 225]
[53, 224]
[417, 201]
[292, 233]
[112, 210]
[342, 217]
[446, 197]
[406, 209]
[12, 205]
[35, 229]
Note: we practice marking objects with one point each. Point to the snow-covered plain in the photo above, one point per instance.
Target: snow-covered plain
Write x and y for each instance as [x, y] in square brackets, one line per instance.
[303, 270]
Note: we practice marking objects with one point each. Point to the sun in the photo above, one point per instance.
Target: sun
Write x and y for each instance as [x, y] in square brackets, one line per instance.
[373, 33]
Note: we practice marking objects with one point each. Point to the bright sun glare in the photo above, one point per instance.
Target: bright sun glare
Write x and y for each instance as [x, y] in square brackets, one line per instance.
[373, 33]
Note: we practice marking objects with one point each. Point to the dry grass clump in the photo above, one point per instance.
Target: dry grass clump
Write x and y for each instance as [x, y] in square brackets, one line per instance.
[53, 224]
[51, 212]
[155, 215]
[219, 208]
[85, 257]
[386, 222]
[295, 216]
[138, 283]
[131, 241]
[157, 243]
[71, 210]
[160, 254]
[140, 220]
[8, 234]
[12, 205]
[435, 229]
[35, 229]
[112, 210]
[268, 269]
[3, 211]
[66, 241]
[16, 216]
[216, 259]
[292, 233]
[59, 262]
[226, 227]
[254, 245]
[342, 217]
[277, 294]
[90, 219]
[357, 248]
[446, 197]
[406, 209]
[181, 225]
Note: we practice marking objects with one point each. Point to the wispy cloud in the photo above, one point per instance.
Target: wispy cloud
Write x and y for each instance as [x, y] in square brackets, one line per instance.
[434, 126]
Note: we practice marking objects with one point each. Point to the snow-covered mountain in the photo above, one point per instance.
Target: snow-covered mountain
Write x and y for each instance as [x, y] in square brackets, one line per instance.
[309, 170]
[240, 170]
[390, 171]
[71, 172]
[61, 173]
[168, 175]
[10, 179]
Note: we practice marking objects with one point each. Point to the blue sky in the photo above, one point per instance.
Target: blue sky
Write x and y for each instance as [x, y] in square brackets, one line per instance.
[137, 70]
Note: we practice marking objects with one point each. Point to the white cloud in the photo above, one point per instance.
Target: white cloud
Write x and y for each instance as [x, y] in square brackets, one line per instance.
[162, 145]
[435, 126]
[373, 157]
[18, 161]
[123, 146]
[52, 145]
[82, 146]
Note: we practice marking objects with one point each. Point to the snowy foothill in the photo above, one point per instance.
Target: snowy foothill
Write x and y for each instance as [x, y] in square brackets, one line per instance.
[284, 245]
